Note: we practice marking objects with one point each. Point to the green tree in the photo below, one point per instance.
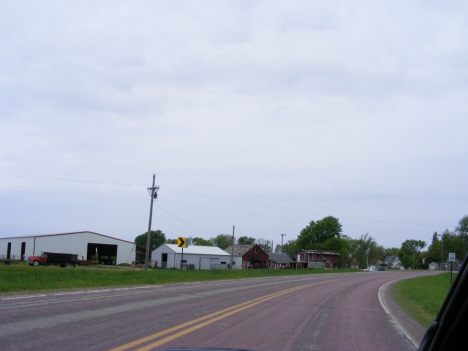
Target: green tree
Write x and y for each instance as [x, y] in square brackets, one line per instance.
[222, 241]
[157, 238]
[462, 231]
[435, 237]
[278, 248]
[291, 247]
[201, 242]
[171, 241]
[244, 240]
[264, 244]
[338, 245]
[411, 248]
[318, 232]
[406, 261]
[439, 250]
[365, 247]
[392, 251]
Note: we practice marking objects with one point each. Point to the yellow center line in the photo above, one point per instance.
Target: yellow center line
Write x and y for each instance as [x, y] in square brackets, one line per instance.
[170, 330]
[227, 312]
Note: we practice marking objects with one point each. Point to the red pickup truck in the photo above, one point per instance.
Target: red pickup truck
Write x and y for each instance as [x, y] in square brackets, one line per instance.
[62, 259]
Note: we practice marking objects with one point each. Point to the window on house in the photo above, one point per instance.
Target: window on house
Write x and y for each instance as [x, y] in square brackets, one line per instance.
[313, 256]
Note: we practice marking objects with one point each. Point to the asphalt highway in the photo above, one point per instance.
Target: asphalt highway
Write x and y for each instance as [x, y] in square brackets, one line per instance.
[311, 312]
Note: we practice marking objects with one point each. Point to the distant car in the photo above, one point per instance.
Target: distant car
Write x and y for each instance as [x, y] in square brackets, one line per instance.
[369, 269]
[381, 268]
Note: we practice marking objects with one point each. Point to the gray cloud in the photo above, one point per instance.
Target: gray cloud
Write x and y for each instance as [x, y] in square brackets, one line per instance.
[261, 114]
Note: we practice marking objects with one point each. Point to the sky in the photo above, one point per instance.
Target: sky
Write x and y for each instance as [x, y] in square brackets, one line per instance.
[263, 115]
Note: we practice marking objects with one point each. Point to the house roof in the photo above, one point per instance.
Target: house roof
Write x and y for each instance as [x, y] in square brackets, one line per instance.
[198, 250]
[280, 258]
[239, 250]
[390, 259]
[321, 252]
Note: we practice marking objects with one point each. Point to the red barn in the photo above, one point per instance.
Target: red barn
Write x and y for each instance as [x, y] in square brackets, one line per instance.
[252, 255]
[317, 259]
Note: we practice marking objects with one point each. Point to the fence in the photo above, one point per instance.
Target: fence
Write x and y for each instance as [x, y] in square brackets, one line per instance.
[14, 257]
[187, 266]
[220, 266]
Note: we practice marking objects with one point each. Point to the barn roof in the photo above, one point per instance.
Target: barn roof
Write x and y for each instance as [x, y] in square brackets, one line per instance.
[320, 252]
[198, 250]
[280, 258]
[239, 250]
[83, 232]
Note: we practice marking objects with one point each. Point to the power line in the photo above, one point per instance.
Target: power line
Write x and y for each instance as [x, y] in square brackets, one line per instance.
[209, 230]
[388, 219]
[209, 186]
[76, 166]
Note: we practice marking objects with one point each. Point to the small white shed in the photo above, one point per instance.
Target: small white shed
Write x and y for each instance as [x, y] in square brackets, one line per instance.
[196, 257]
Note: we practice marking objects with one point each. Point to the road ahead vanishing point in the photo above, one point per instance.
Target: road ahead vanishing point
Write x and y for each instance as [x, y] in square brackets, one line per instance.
[310, 312]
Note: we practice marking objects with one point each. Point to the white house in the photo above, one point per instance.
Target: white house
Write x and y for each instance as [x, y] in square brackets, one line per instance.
[392, 262]
[195, 257]
[87, 245]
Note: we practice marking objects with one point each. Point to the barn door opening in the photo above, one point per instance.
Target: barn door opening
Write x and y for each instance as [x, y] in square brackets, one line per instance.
[23, 250]
[102, 253]
[164, 260]
[8, 253]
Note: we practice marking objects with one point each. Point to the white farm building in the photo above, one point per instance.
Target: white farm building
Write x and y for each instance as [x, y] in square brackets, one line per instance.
[90, 246]
[196, 257]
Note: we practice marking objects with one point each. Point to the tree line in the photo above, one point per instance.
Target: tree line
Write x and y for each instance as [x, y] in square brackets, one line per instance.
[326, 234]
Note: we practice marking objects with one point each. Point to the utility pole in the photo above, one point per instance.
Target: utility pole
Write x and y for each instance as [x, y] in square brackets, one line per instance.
[442, 257]
[282, 242]
[153, 191]
[413, 258]
[232, 245]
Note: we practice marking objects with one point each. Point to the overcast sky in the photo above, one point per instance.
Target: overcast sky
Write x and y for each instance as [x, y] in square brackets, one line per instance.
[260, 114]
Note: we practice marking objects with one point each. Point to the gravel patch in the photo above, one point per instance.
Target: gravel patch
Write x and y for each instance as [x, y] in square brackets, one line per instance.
[415, 329]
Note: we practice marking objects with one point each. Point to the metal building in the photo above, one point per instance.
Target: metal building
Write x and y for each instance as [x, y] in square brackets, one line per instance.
[196, 257]
[90, 246]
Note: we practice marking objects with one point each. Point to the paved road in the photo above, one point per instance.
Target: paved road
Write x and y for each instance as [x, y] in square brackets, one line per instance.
[313, 312]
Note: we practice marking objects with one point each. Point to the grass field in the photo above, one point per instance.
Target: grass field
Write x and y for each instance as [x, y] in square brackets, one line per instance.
[423, 297]
[23, 278]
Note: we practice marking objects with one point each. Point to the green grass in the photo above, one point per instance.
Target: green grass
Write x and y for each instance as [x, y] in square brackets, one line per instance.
[423, 297]
[20, 278]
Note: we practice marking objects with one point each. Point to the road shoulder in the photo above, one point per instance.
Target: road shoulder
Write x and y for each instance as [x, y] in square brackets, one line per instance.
[410, 326]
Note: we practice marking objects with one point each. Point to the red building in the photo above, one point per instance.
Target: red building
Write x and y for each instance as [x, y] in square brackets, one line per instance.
[252, 255]
[317, 259]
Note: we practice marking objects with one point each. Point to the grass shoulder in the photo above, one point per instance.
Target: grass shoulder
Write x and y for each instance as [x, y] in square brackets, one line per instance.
[23, 278]
[422, 297]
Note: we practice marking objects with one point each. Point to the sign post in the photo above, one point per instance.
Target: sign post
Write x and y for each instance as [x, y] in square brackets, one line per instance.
[181, 243]
[451, 260]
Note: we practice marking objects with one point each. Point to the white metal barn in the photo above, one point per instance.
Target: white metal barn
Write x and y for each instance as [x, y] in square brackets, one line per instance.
[201, 257]
[88, 245]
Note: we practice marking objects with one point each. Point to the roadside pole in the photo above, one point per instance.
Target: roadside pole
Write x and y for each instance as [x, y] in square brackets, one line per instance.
[451, 260]
[232, 245]
[181, 243]
[153, 191]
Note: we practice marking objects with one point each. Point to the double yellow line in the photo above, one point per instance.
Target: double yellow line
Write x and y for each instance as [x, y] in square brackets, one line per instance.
[208, 319]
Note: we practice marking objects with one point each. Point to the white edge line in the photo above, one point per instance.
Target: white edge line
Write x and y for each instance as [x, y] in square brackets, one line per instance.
[383, 303]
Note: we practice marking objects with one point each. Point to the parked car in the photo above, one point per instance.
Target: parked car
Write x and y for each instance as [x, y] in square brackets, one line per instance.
[369, 269]
[381, 268]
